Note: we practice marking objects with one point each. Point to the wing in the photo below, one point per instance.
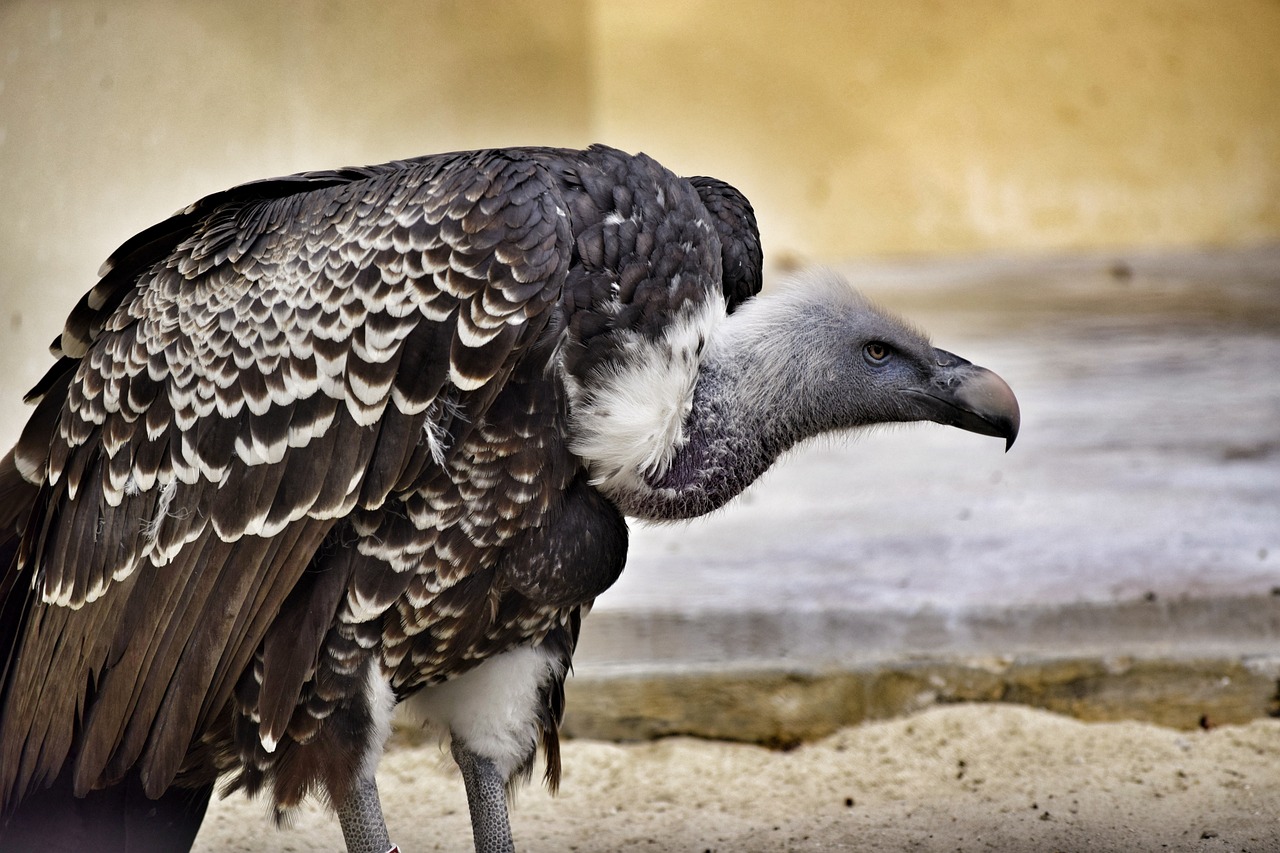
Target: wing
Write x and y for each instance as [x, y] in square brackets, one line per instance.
[243, 376]
[734, 221]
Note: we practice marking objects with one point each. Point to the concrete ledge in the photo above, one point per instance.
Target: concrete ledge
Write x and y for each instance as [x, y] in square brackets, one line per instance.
[781, 678]
[845, 637]
[783, 708]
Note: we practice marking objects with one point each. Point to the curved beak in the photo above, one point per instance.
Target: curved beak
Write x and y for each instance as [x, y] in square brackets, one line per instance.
[970, 397]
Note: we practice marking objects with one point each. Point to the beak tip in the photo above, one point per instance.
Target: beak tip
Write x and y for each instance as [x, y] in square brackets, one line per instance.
[1012, 428]
[972, 398]
[992, 400]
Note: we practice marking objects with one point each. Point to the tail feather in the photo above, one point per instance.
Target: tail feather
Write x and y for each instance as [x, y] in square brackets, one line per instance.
[51, 819]
[119, 819]
[17, 501]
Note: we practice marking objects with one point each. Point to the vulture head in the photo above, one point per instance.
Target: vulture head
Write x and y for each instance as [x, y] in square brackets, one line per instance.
[846, 363]
[814, 356]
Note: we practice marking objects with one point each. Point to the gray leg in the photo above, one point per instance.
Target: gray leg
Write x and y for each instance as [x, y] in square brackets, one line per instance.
[363, 828]
[487, 800]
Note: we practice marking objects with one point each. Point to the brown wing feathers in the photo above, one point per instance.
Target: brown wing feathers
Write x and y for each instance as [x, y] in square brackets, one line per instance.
[244, 375]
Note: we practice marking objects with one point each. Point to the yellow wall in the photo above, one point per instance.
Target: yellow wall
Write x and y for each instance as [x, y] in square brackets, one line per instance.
[864, 127]
[881, 126]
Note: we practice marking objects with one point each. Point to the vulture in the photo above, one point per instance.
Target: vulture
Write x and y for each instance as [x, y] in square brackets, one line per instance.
[319, 445]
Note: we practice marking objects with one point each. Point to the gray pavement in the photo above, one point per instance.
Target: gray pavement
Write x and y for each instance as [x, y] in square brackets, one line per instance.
[1138, 513]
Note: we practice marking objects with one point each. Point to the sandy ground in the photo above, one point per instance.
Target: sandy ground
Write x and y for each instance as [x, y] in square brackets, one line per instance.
[958, 778]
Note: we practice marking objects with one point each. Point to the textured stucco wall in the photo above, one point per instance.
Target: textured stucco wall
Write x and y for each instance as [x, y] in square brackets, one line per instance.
[879, 126]
[865, 127]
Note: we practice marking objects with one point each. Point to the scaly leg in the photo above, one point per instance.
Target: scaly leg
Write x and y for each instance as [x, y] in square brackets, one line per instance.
[487, 800]
[363, 828]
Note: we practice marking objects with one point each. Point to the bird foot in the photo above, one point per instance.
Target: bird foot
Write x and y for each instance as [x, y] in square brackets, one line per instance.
[363, 828]
[486, 800]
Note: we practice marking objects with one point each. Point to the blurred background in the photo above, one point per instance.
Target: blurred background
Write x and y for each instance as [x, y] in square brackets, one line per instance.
[1085, 196]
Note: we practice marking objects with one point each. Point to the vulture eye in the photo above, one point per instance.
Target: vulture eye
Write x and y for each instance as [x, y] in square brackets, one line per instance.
[876, 352]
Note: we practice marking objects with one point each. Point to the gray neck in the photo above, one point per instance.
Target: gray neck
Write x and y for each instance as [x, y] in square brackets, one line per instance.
[665, 442]
[752, 402]
[727, 448]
